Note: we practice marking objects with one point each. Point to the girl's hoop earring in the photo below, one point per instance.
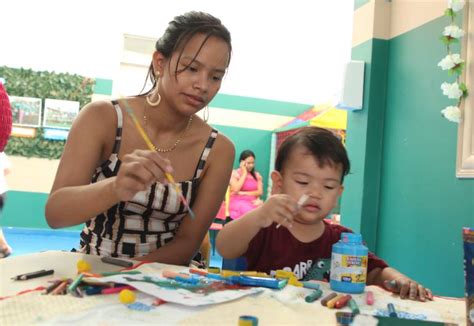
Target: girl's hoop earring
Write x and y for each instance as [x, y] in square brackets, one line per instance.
[158, 100]
[205, 114]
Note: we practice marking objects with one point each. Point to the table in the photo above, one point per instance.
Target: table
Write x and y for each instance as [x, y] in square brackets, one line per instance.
[272, 307]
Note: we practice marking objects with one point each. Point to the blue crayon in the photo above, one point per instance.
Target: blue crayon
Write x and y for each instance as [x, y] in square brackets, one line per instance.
[391, 310]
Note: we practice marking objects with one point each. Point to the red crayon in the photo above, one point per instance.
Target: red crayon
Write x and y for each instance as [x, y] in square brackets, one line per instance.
[342, 301]
[369, 298]
[117, 289]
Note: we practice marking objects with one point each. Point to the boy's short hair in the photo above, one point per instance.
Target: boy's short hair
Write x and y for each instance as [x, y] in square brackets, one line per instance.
[322, 144]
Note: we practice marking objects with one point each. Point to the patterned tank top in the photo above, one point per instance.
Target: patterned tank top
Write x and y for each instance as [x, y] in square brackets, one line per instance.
[148, 221]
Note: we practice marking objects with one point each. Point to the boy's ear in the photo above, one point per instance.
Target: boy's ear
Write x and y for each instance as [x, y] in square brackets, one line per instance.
[341, 190]
[158, 62]
[277, 182]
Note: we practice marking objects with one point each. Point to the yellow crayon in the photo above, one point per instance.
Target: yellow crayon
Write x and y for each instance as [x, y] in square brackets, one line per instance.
[331, 303]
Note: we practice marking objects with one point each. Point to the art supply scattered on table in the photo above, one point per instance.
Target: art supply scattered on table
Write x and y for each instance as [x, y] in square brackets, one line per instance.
[327, 298]
[369, 298]
[313, 296]
[83, 266]
[116, 261]
[310, 285]
[117, 289]
[349, 264]
[248, 321]
[299, 204]
[344, 318]
[391, 310]
[36, 274]
[354, 307]
[342, 302]
[72, 287]
[332, 303]
[127, 296]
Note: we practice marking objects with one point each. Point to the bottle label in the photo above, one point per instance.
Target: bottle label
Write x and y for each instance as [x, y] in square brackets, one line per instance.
[349, 268]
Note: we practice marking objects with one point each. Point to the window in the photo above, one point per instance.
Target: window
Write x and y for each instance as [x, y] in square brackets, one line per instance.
[465, 150]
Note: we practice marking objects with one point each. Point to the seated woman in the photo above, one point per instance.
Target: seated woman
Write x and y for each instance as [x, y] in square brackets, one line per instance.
[245, 186]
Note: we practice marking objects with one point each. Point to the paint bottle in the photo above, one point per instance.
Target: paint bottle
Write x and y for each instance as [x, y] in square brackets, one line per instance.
[349, 264]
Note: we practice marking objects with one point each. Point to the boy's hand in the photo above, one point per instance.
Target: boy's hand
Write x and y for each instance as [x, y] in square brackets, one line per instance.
[408, 289]
[279, 209]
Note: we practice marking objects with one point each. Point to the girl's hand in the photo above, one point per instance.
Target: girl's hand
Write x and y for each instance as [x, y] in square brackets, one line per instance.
[243, 168]
[408, 289]
[138, 170]
[279, 209]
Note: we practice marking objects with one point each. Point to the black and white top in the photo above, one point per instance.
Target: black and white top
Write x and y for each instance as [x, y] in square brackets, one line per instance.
[148, 221]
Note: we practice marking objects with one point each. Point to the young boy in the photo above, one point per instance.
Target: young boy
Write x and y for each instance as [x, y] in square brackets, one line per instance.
[311, 162]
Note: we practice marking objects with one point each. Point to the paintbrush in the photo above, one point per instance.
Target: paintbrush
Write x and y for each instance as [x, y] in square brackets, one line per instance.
[151, 147]
[299, 204]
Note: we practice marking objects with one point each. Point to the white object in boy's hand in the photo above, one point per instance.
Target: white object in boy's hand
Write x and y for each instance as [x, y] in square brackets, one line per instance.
[299, 204]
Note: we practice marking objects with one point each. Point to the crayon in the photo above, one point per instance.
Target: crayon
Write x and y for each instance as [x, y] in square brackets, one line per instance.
[52, 286]
[324, 301]
[31, 275]
[72, 287]
[369, 298]
[117, 289]
[198, 271]
[331, 303]
[116, 261]
[342, 302]
[354, 307]
[60, 288]
[391, 310]
[172, 274]
[121, 273]
[313, 296]
[310, 285]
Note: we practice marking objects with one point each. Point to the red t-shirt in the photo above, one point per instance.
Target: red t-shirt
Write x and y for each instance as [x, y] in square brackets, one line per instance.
[273, 249]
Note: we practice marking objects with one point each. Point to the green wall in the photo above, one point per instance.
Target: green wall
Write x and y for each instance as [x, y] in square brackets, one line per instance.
[258, 141]
[26, 210]
[423, 205]
[403, 194]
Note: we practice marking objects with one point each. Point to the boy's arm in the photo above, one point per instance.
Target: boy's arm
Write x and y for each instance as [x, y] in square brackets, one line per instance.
[234, 238]
[394, 281]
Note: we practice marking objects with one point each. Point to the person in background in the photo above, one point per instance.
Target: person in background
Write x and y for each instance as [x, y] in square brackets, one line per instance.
[311, 162]
[5, 165]
[246, 186]
[119, 189]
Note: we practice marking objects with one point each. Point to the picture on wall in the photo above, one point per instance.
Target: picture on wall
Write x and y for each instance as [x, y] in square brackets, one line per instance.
[26, 111]
[59, 113]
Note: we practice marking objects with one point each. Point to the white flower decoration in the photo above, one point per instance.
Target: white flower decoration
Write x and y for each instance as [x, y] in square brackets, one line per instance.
[451, 90]
[450, 61]
[456, 5]
[452, 113]
[453, 31]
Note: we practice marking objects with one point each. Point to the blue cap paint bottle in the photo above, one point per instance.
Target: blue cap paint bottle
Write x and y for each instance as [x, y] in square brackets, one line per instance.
[349, 264]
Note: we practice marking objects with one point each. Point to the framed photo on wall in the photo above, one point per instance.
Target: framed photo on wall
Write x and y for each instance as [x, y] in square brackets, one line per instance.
[26, 111]
[59, 113]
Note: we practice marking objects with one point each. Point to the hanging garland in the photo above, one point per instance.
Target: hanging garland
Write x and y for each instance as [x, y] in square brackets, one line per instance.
[453, 63]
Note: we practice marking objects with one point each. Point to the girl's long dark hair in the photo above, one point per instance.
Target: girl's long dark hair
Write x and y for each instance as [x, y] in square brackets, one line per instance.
[244, 155]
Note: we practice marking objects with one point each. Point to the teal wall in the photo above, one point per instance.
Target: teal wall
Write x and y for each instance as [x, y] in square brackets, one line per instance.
[258, 141]
[420, 206]
[26, 210]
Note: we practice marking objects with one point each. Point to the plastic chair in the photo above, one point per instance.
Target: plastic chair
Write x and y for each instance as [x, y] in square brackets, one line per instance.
[219, 220]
